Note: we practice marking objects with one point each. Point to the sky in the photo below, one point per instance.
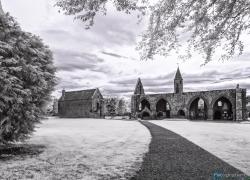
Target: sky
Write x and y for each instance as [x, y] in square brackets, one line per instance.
[105, 56]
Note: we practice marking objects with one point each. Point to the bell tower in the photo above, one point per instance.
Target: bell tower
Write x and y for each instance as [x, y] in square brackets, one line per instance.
[178, 82]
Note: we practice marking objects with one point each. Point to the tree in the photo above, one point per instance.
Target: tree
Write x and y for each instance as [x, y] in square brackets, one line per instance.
[86, 10]
[121, 107]
[27, 77]
[111, 104]
[207, 24]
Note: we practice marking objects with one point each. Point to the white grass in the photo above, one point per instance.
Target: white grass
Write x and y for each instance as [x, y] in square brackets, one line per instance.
[82, 149]
[228, 141]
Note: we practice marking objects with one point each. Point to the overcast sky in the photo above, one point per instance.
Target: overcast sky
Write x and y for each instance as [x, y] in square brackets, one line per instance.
[105, 55]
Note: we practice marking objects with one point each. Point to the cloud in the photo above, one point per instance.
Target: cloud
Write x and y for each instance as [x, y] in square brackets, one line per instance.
[69, 84]
[105, 56]
[66, 60]
[114, 55]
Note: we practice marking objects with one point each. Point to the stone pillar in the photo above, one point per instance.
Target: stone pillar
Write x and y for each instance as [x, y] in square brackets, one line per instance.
[240, 104]
[210, 113]
[134, 105]
[153, 109]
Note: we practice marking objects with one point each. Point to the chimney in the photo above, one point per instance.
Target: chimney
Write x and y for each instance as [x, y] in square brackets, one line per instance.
[63, 92]
[237, 86]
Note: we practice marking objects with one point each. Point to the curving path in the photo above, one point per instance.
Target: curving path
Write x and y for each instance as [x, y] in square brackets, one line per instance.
[172, 157]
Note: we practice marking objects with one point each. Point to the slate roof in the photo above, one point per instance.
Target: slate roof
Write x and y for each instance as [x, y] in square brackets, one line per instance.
[178, 74]
[79, 95]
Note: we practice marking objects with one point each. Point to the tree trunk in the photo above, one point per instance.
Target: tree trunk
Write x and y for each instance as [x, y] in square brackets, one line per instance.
[1, 9]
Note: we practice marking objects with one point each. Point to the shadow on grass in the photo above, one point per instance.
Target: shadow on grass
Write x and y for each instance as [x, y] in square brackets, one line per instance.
[173, 157]
[8, 152]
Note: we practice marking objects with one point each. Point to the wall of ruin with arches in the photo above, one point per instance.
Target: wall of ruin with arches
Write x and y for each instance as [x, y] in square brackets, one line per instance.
[229, 104]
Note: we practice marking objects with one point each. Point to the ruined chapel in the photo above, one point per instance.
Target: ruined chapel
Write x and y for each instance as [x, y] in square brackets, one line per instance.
[226, 104]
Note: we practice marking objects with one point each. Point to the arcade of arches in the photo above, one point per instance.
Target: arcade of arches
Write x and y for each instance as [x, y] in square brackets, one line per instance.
[225, 104]
[197, 110]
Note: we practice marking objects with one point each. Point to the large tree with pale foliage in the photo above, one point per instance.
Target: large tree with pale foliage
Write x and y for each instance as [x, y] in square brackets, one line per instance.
[27, 77]
[208, 25]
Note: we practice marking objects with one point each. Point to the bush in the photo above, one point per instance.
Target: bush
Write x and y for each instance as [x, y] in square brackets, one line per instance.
[27, 77]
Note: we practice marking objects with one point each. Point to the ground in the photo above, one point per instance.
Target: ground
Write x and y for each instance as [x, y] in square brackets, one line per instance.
[173, 157]
[77, 148]
[114, 149]
[227, 140]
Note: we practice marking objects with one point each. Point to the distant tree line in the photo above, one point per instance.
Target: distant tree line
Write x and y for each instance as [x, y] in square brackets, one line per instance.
[114, 106]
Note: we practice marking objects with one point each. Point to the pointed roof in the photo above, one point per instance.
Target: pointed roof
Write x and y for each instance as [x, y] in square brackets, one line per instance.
[178, 74]
[139, 87]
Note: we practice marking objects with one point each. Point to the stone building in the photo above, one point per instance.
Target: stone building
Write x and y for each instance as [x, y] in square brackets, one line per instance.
[227, 104]
[85, 103]
[248, 106]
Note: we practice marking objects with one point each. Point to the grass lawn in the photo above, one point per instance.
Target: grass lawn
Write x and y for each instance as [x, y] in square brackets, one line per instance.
[81, 149]
[227, 140]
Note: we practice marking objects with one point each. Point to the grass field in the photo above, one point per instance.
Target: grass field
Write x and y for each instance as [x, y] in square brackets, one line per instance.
[81, 149]
[114, 149]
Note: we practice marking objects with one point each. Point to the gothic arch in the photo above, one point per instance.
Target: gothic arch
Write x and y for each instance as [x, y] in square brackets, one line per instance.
[195, 97]
[223, 108]
[144, 103]
[198, 108]
[225, 96]
[181, 113]
[163, 108]
[162, 97]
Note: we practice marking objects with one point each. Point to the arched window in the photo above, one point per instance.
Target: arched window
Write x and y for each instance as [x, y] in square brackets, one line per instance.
[201, 104]
[140, 107]
[168, 106]
[219, 103]
[222, 109]
[144, 104]
[97, 106]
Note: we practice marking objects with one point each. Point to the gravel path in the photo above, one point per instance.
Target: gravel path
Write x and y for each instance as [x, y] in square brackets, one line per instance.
[173, 157]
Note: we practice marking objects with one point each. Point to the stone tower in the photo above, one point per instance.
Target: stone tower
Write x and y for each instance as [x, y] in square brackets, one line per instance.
[135, 99]
[178, 82]
[139, 90]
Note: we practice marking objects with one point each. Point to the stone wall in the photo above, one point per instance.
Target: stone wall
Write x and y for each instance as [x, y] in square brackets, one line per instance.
[81, 108]
[182, 101]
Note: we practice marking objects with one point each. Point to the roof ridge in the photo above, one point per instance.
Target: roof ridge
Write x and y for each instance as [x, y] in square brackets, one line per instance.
[81, 90]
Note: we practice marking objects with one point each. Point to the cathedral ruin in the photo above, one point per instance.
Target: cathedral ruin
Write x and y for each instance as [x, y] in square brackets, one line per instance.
[226, 104]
